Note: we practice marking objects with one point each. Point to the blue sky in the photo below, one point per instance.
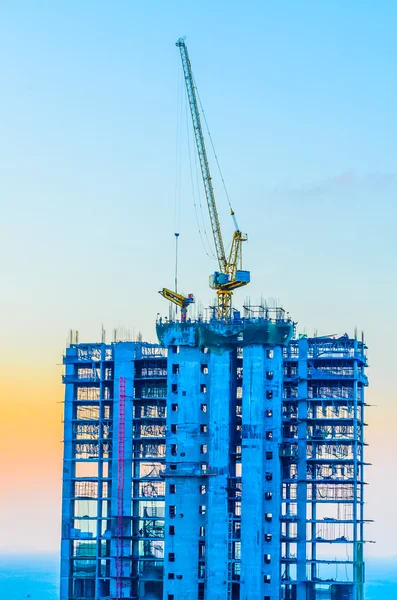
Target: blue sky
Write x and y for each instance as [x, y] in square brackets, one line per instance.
[301, 104]
[301, 101]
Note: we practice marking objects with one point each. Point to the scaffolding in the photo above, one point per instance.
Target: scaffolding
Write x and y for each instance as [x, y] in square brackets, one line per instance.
[322, 524]
[120, 490]
[113, 525]
[230, 557]
[104, 554]
[148, 447]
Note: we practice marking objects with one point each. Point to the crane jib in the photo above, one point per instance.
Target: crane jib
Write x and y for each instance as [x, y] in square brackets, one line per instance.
[205, 170]
[231, 274]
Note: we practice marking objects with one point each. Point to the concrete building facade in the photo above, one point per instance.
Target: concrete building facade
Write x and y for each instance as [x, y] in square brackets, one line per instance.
[226, 462]
[114, 456]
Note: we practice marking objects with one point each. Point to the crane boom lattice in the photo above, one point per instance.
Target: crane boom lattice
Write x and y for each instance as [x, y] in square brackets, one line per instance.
[205, 169]
[230, 275]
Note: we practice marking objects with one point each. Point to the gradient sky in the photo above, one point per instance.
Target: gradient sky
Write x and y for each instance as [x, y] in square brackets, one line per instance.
[301, 100]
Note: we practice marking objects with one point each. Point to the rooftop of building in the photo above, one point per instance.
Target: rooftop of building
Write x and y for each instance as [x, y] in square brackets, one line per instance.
[271, 326]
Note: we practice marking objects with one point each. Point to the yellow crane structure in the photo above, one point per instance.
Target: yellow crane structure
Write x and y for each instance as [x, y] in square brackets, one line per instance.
[178, 299]
[230, 275]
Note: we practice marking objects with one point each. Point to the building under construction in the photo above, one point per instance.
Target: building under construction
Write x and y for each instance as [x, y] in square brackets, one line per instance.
[226, 462]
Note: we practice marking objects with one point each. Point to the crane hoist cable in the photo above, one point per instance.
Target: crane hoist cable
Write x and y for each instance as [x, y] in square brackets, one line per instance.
[213, 147]
[200, 222]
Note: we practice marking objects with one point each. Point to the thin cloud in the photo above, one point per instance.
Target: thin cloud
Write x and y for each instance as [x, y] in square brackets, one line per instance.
[345, 181]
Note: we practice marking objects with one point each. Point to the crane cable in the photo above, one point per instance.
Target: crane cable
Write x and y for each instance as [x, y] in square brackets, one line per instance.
[178, 155]
[198, 184]
[212, 145]
[203, 219]
[178, 175]
[207, 249]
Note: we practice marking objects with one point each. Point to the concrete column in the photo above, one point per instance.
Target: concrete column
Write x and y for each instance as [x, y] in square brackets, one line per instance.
[301, 474]
[261, 472]
[68, 473]
[187, 411]
[222, 375]
[123, 367]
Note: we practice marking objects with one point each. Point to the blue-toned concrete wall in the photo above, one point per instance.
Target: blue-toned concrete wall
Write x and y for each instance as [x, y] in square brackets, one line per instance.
[261, 472]
[301, 473]
[222, 394]
[187, 445]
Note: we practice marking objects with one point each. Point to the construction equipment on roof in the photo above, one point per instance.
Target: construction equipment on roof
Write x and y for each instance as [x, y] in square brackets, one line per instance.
[178, 299]
[230, 275]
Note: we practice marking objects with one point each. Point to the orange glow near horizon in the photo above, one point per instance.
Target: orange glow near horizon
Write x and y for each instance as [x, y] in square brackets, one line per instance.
[31, 433]
[31, 460]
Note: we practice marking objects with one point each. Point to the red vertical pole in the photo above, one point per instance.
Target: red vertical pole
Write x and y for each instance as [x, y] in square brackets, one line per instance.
[120, 490]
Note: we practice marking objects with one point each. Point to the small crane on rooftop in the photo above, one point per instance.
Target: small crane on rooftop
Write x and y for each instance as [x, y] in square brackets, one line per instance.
[178, 299]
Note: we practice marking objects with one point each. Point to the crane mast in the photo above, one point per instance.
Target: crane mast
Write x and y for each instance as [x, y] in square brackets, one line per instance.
[230, 275]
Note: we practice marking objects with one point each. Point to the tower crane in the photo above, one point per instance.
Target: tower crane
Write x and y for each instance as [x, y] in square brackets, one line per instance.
[230, 275]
